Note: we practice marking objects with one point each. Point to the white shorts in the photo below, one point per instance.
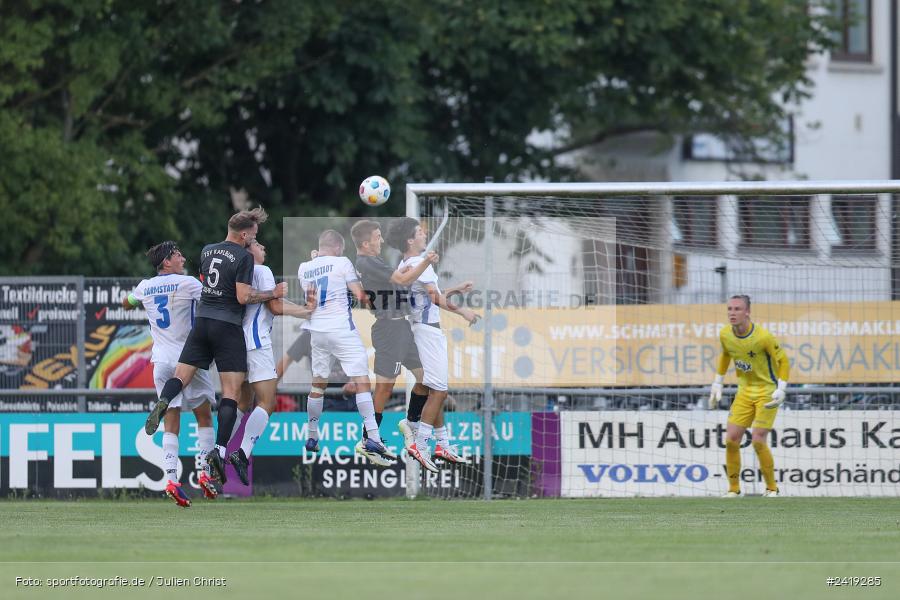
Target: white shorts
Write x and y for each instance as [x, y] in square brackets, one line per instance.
[432, 345]
[346, 346]
[260, 365]
[198, 391]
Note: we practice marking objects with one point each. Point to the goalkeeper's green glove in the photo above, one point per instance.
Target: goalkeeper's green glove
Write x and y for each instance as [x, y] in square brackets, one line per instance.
[715, 392]
[778, 395]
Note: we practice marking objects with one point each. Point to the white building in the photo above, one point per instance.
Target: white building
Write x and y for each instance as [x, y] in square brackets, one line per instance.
[827, 248]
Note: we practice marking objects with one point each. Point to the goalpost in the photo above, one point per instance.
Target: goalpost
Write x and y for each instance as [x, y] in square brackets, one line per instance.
[589, 373]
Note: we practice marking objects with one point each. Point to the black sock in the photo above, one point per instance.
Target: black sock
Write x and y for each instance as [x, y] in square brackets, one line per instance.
[226, 417]
[171, 389]
[378, 417]
[416, 404]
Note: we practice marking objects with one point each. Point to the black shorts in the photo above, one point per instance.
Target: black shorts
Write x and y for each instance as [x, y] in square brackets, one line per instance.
[210, 340]
[301, 347]
[394, 346]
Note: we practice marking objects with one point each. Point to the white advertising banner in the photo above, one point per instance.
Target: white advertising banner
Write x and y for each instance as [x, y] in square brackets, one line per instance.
[682, 453]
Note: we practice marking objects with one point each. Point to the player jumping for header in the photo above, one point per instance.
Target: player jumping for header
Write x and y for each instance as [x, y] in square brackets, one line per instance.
[392, 337]
[332, 277]
[169, 299]
[261, 373]
[408, 236]
[226, 270]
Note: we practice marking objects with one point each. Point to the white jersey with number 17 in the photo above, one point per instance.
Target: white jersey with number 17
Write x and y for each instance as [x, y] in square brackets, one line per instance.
[170, 302]
[331, 277]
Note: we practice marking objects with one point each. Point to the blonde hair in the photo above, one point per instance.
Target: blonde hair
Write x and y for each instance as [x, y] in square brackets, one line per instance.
[245, 219]
[331, 239]
[743, 297]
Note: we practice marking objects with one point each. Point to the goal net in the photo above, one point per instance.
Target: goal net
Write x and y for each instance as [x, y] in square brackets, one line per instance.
[602, 306]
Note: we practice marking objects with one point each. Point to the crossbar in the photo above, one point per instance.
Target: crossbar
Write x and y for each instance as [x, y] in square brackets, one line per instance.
[664, 188]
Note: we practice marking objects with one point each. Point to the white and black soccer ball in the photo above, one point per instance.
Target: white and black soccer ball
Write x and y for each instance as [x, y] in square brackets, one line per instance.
[374, 190]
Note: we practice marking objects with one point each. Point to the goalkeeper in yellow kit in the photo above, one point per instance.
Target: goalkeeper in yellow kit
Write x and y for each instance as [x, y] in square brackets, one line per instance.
[762, 369]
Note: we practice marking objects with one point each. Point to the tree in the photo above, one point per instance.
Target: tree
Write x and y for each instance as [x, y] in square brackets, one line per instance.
[97, 101]
[125, 123]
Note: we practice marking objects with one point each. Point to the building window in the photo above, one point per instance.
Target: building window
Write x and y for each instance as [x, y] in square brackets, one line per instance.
[775, 149]
[696, 221]
[854, 35]
[632, 274]
[780, 223]
[854, 222]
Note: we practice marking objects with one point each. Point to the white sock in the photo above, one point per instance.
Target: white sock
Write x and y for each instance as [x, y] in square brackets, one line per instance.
[423, 434]
[440, 436]
[206, 439]
[255, 427]
[170, 455]
[314, 413]
[234, 428]
[366, 408]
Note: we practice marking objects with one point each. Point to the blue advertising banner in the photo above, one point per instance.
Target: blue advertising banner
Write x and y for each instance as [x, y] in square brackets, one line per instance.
[285, 434]
[84, 453]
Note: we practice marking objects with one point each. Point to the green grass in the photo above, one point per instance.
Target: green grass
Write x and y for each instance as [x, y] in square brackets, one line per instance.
[527, 548]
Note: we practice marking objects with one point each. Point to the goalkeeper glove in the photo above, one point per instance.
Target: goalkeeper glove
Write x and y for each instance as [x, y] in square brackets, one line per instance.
[778, 395]
[715, 392]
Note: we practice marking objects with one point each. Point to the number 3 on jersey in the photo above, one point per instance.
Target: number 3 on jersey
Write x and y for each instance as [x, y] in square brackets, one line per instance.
[161, 302]
[322, 284]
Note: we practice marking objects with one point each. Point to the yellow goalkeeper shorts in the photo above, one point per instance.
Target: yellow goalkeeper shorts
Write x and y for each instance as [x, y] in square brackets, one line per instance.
[748, 409]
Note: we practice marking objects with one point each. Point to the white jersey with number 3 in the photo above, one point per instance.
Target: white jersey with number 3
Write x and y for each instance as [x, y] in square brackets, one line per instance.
[330, 276]
[170, 303]
[423, 309]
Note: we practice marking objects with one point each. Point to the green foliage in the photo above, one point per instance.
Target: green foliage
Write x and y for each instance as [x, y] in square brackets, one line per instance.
[124, 123]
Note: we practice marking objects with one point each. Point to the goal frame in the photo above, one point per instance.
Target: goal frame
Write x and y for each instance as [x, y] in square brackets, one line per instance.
[604, 190]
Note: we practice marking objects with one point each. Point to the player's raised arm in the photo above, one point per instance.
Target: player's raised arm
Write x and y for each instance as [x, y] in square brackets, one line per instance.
[782, 370]
[440, 299]
[248, 295]
[283, 306]
[408, 275]
[245, 293]
[460, 288]
[130, 302]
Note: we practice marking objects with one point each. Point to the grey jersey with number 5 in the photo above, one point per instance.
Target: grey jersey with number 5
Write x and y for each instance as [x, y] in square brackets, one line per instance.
[222, 266]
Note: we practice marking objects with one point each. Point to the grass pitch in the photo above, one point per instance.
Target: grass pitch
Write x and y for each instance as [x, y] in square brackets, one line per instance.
[623, 548]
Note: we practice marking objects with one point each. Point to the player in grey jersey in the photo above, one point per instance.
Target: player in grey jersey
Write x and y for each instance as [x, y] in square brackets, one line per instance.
[226, 270]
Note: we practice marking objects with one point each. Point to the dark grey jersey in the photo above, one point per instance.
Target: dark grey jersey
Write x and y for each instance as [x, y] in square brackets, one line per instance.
[222, 266]
[388, 300]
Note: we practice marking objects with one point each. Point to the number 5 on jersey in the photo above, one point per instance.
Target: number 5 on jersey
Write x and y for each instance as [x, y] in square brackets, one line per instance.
[213, 272]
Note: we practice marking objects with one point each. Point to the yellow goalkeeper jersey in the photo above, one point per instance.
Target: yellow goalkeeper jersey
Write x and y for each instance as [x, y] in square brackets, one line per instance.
[759, 360]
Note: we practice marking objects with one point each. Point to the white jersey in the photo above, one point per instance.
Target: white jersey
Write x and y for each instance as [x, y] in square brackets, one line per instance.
[258, 318]
[331, 276]
[423, 309]
[170, 303]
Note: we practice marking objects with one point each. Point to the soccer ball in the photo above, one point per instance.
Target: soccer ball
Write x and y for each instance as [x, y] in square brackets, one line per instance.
[374, 190]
